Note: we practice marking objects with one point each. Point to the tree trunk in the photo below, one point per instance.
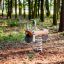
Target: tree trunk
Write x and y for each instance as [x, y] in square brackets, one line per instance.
[58, 8]
[55, 13]
[42, 10]
[20, 8]
[35, 9]
[61, 25]
[29, 5]
[9, 8]
[15, 8]
[0, 2]
[38, 7]
[47, 8]
[3, 8]
[24, 8]
[32, 9]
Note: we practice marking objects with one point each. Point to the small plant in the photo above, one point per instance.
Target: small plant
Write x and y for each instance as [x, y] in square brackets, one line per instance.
[12, 37]
[12, 23]
[30, 55]
[62, 33]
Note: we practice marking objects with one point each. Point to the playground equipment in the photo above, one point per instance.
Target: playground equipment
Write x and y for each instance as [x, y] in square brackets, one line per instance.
[36, 36]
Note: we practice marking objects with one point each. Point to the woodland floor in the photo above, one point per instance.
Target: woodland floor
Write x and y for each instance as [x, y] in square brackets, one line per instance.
[16, 53]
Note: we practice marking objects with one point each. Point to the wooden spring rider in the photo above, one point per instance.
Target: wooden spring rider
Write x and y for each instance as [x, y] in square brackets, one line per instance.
[36, 36]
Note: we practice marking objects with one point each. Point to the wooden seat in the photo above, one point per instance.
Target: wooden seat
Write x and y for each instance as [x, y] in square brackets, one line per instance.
[29, 32]
[38, 32]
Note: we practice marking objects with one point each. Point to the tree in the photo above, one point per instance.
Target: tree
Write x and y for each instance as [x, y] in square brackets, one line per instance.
[38, 7]
[42, 10]
[9, 8]
[20, 8]
[15, 8]
[29, 5]
[47, 8]
[58, 8]
[0, 1]
[32, 8]
[55, 13]
[61, 25]
[2, 8]
[24, 2]
[35, 9]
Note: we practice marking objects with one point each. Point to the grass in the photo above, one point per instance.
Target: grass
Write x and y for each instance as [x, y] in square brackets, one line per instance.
[12, 23]
[62, 33]
[12, 37]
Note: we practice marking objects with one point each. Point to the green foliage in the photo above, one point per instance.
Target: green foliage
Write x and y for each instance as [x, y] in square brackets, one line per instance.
[12, 23]
[6, 5]
[30, 55]
[62, 33]
[11, 38]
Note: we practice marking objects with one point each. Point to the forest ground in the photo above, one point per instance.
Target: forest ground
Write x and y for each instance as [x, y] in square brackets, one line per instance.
[16, 53]
[53, 52]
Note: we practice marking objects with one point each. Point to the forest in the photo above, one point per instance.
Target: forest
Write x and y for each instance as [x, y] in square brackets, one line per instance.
[31, 31]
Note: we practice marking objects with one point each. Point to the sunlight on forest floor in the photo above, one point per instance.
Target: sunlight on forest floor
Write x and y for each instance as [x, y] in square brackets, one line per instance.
[53, 52]
[11, 46]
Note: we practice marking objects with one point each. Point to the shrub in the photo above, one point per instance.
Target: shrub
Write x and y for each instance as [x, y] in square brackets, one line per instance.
[12, 23]
[12, 37]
